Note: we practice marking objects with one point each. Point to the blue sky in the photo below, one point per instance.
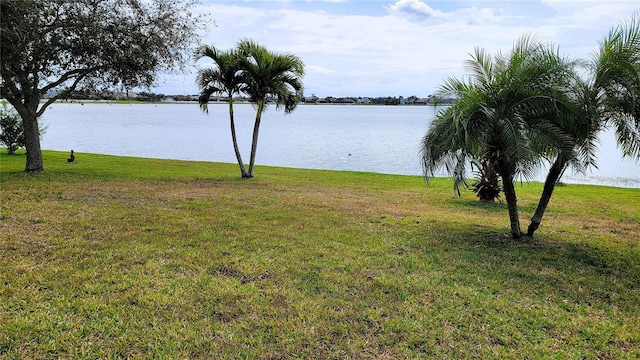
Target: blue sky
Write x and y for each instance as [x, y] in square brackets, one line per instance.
[398, 47]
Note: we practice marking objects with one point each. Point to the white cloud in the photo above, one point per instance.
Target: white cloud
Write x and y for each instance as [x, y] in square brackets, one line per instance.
[318, 70]
[409, 47]
[419, 10]
[416, 9]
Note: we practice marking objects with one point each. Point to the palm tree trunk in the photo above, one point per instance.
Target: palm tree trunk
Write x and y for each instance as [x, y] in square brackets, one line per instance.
[549, 185]
[235, 139]
[512, 205]
[254, 142]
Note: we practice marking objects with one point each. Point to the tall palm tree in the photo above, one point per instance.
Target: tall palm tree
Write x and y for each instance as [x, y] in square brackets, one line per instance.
[505, 115]
[610, 96]
[269, 75]
[223, 78]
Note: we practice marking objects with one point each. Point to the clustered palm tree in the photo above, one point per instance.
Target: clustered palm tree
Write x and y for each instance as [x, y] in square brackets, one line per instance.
[608, 97]
[531, 106]
[253, 70]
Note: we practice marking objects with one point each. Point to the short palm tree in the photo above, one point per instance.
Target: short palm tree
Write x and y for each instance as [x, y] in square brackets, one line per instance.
[505, 115]
[223, 78]
[269, 75]
[610, 96]
[486, 186]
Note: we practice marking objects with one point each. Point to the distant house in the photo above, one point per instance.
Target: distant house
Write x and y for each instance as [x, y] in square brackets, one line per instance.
[389, 100]
[423, 101]
[311, 99]
[184, 97]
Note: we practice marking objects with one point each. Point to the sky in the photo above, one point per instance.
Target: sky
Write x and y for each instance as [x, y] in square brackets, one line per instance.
[404, 48]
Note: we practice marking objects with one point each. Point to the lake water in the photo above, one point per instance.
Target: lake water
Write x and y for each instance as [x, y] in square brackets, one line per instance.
[381, 139]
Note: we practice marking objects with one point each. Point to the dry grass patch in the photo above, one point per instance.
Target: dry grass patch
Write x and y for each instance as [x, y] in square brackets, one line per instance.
[122, 257]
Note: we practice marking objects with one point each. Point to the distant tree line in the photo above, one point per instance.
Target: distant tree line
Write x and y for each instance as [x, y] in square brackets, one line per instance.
[389, 100]
[313, 99]
[87, 94]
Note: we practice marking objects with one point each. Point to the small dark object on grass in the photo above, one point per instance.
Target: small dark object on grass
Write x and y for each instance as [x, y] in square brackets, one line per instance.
[71, 157]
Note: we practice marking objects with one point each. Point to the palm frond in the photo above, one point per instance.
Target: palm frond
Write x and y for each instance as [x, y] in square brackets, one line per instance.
[272, 74]
[616, 84]
[223, 77]
[480, 67]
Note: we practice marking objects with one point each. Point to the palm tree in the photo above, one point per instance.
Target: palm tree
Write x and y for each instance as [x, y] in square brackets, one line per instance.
[269, 75]
[504, 115]
[223, 78]
[609, 97]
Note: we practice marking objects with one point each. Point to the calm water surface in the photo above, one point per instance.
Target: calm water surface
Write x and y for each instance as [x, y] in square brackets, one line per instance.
[381, 139]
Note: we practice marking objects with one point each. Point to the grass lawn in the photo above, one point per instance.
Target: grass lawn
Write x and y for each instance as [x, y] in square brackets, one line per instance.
[113, 257]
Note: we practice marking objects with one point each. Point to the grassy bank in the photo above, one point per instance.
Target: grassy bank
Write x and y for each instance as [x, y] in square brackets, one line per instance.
[114, 257]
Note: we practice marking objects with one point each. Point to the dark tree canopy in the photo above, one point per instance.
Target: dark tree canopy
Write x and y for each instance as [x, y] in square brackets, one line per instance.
[65, 45]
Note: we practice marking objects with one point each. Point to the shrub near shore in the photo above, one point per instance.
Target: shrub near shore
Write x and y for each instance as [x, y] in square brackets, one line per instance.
[127, 257]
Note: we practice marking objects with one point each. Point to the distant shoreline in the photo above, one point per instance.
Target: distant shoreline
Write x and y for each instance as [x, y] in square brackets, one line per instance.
[165, 102]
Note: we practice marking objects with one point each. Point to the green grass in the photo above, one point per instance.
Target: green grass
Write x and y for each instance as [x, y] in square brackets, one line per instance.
[113, 257]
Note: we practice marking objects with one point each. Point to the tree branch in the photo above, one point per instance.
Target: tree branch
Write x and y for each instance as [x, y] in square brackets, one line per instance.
[79, 74]
[60, 81]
